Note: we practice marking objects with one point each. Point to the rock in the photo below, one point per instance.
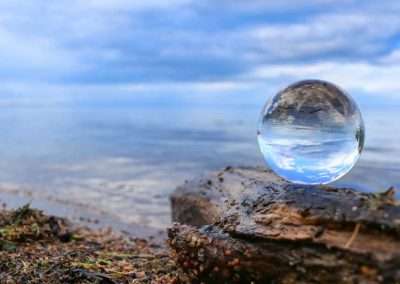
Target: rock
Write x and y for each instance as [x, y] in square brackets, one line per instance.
[246, 225]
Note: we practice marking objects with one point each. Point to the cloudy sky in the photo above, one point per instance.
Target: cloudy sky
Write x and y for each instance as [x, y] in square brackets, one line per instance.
[58, 51]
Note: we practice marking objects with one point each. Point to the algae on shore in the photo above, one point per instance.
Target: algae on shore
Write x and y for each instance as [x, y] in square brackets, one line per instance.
[36, 248]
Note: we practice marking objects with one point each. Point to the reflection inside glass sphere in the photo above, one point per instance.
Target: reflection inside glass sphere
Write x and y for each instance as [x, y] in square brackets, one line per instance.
[311, 133]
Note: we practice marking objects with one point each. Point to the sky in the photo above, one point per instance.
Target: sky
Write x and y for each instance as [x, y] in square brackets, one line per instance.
[70, 51]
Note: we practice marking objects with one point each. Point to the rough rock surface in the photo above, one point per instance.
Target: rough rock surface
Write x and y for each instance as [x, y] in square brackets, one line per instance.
[247, 225]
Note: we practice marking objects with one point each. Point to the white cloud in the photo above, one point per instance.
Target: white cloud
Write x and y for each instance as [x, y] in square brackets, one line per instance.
[367, 77]
[23, 53]
[391, 58]
[355, 33]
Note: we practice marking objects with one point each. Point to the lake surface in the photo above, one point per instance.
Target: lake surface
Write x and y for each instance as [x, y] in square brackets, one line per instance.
[119, 162]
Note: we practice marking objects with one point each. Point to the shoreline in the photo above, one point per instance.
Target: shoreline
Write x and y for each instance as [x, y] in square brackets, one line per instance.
[78, 214]
[38, 248]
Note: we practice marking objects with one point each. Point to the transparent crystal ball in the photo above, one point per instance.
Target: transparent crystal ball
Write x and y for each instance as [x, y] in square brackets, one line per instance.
[312, 132]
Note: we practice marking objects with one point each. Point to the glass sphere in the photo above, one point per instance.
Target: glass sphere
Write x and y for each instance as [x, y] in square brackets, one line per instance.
[312, 132]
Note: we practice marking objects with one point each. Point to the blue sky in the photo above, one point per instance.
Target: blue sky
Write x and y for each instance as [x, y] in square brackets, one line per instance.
[61, 51]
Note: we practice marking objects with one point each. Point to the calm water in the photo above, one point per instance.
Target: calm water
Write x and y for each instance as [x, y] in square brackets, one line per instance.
[120, 163]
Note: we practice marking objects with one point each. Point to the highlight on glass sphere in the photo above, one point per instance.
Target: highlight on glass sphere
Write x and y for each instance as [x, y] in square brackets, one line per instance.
[312, 132]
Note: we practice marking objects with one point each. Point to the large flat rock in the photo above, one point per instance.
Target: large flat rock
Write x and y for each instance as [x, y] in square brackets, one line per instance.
[248, 225]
